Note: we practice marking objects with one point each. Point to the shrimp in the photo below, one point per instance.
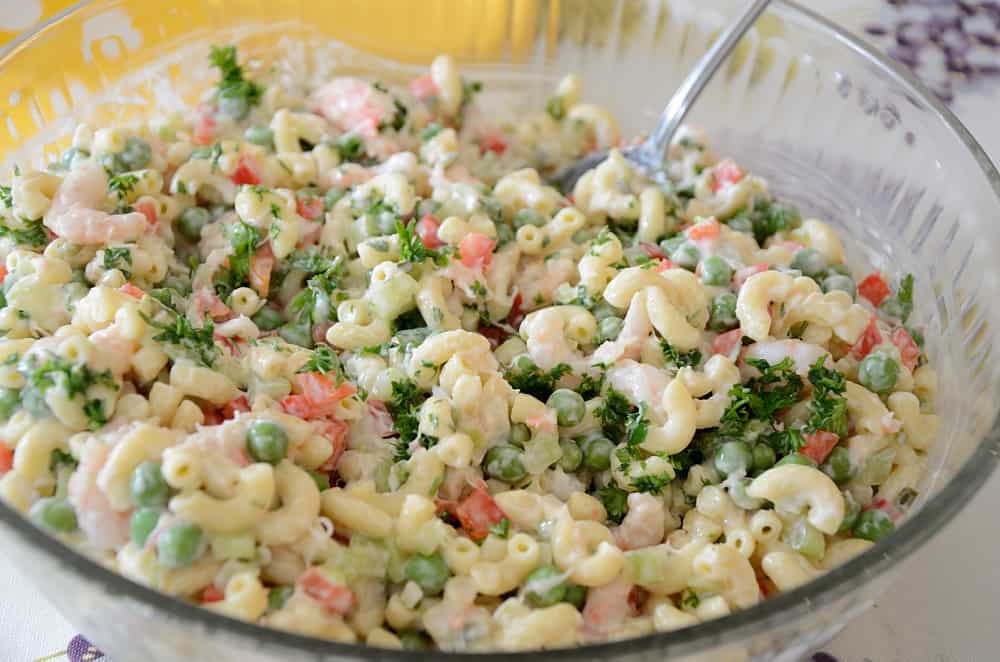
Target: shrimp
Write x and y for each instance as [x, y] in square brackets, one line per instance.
[346, 175]
[105, 528]
[803, 354]
[640, 382]
[353, 105]
[635, 330]
[607, 607]
[644, 524]
[74, 215]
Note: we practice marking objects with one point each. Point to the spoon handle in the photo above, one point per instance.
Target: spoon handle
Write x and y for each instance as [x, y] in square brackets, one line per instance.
[654, 149]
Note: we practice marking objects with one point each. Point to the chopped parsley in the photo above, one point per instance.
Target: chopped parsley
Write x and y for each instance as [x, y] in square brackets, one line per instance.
[501, 529]
[776, 388]
[72, 378]
[32, 234]
[615, 502]
[653, 484]
[556, 108]
[429, 131]
[349, 147]
[324, 360]
[59, 458]
[680, 359]
[614, 414]
[5, 197]
[536, 382]
[404, 405]
[590, 387]
[196, 342]
[411, 247]
[785, 442]
[244, 238]
[118, 257]
[122, 186]
[828, 409]
[233, 85]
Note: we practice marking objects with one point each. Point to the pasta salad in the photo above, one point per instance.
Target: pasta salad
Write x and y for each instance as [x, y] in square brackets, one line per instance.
[336, 359]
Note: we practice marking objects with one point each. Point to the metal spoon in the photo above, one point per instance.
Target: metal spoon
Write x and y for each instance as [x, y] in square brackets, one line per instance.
[651, 155]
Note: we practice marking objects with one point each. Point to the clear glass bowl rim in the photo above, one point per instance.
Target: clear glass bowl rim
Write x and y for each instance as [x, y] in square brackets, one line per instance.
[826, 588]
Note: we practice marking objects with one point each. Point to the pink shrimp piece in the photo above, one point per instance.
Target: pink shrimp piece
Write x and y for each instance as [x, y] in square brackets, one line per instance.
[607, 607]
[643, 526]
[353, 105]
[74, 214]
[206, 301]
[347, 175]
[105, 528]
[639, 382]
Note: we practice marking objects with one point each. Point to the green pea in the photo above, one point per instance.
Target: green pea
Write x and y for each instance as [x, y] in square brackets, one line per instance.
[55, 514]
[576, 595]
[597, 453]
[137, 153]
[332, 197]
[723, 313]
[505, 233]
[191, 222]
[544, 587]
[267, 442]
[716, 271]
[796, 458]
[259, 135]
[297, 334]
[839, 268]
[113, 163]
[893, 309]
[740, 224]
[413, 640]
[851, 512]
[236, 107]
[763, 457]
[349, 146]
[504, 463]
[9, 400]
[569, 406]
[428, 571]
[148, 486]
[524, 364]
[572, 456]
[840, 282]
[609, 328]
[878, 372]
[180, 545]
[528, 216]
[810, 262]
[873, 525]
[519, 434]
[838, 465]
[321, 479]
[278, 596]
[605, 309]
[668, 246]
[142, 523]
[201, 152]
[686, 255]
[268, 319]
[733, 456]
[738, 493]
[805, 539]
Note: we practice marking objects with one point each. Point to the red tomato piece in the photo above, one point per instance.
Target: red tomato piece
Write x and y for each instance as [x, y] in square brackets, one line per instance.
[6, 458]
[476, 249]
[297, 405]
[818, 445]
[728, 343]
[3, 272]
[148, 209]
[335, 598]
[652, 250]
[663, 265]
[885, 507]
[423, 87]
[516, 314]
[909, 350]
[709, 229]
[235, 406]
[261, 264]
[869, 340]
[427, 230]
[725, 173]
[131, 290]
[336, 432]
[874, 288]
[477, 513]
[204, 128]
[245, 173]
[212, 417]
[212, 594]
[309, 207]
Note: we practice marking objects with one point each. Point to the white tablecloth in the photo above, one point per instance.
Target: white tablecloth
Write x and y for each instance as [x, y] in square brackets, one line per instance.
[940, 610]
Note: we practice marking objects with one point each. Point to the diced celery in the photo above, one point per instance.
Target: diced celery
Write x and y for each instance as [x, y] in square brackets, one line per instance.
[645, 566]
[231, 546]
[877, 467]
[541, 452]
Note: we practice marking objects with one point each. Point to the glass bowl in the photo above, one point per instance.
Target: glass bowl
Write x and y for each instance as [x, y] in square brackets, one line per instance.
[835, 127]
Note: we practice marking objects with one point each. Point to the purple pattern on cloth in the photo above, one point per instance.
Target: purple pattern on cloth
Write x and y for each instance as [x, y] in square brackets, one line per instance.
[81, 650]
[948, 43]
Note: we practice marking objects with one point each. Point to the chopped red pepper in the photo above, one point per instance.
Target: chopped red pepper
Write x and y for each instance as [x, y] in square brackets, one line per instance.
[725, 173]
[335, 598]
[423, 87]
[869, 340]
[476, 249]
[235, 406]
[245, 173]
[652, 250]
[336, 432]
[6, 458]
[874, 288]
[709, 229]
[477, 513]
[516, 315]
[427, 230]
[131, 290]
[909, 350]
[212, 594]
[818, 445]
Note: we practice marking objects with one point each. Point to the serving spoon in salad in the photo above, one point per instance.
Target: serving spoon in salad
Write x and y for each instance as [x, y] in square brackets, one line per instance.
[651, 154]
